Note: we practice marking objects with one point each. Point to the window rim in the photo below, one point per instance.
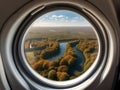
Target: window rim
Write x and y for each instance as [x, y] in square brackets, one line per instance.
[63, 84]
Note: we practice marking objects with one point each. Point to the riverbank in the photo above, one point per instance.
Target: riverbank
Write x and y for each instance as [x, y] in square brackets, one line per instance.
[72, 59]
[67, 65]
[89, 48]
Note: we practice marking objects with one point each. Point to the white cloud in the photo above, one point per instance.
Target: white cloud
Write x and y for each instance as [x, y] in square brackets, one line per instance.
[54, 16]
[60, 20]
[61, 16]
[50, 24]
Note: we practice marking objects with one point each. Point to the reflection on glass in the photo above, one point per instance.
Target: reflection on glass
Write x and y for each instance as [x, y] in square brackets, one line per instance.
[60, 45]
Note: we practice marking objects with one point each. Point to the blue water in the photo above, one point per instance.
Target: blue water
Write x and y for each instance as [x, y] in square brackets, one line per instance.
[80, 57]
[60, 54]
[79, 61]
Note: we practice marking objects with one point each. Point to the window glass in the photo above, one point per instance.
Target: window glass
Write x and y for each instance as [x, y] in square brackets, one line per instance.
[60, 45]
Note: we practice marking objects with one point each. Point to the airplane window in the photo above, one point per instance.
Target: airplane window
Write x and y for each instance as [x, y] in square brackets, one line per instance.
[60, 45]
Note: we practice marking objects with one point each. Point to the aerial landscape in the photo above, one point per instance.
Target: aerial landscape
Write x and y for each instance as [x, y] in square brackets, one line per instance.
[60, 52]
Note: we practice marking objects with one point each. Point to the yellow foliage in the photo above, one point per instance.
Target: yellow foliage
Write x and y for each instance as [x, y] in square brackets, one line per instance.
[62, 68]
[67, 60]
[89, 49]
[41, 64]
[52, 74]
[62, 76]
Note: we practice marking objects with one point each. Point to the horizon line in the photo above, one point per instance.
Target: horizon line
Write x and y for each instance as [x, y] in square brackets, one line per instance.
[65, 26]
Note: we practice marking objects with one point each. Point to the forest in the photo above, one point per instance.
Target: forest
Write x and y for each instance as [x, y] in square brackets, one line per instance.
[61, 53]
[64, 67]
[89, 49]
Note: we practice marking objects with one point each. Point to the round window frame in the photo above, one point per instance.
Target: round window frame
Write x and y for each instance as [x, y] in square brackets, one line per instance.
[24, 81]
[21, 55]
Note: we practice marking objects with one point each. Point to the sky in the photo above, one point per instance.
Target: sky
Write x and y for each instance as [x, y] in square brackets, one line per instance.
[61, 18]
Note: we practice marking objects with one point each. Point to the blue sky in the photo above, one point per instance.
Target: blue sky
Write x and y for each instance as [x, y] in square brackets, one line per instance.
[61, 18]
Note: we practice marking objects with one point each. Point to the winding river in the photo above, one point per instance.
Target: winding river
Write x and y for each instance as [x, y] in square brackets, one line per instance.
[80, 57]
[60, 54]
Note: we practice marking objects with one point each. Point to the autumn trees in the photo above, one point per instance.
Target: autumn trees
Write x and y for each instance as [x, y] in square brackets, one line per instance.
[48, 49]
[57, 69]
[63, 68]
[90, 50]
